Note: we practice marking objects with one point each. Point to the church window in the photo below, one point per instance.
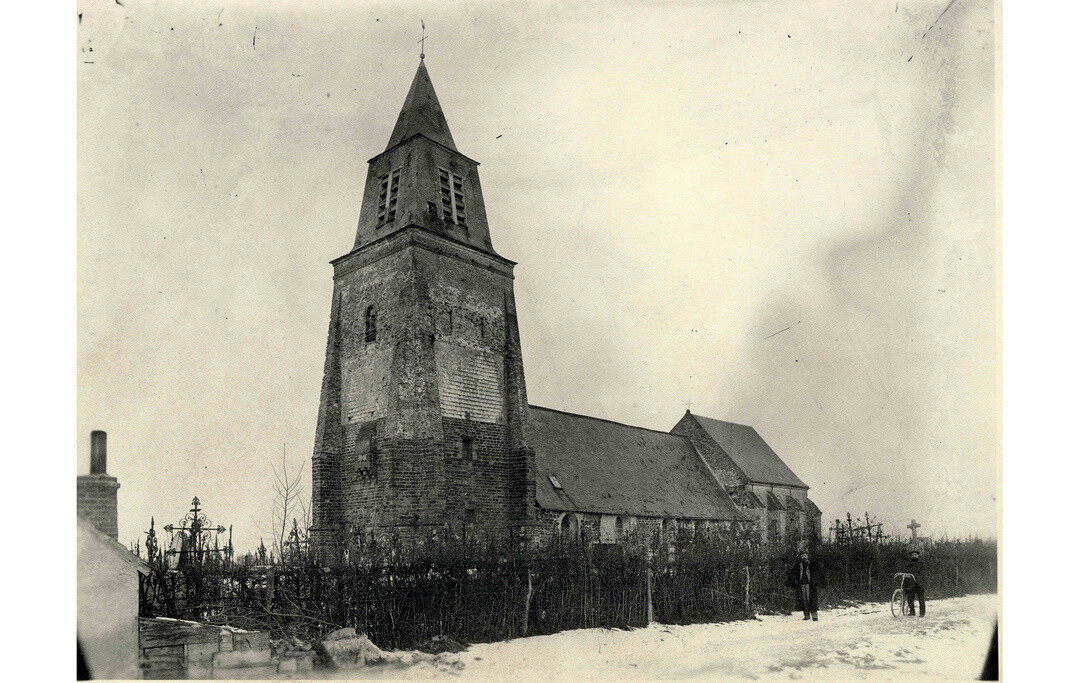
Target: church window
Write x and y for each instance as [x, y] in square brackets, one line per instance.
[452, 190]
[620, 527]
[384, 189]
[665, 527]
[468, 522]
[608, 529]
[370, 329]
[467, 448]
[365, 447]
[569, 526]
[388, 196]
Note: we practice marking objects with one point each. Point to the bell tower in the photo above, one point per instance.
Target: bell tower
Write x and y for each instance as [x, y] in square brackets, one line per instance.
[421, 420]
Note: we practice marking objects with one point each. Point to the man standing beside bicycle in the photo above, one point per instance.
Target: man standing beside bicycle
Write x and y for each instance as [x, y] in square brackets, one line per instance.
[915, 587]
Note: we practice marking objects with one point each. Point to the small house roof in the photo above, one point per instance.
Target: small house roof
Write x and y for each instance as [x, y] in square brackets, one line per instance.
[754, 457]
[612, 468]
[113, 545]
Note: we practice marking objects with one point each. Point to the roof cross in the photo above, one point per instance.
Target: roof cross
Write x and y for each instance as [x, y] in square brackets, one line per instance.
[422, 38]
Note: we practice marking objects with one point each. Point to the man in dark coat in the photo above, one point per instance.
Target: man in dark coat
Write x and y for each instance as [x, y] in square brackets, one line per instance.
[917, 586]
[806, 577]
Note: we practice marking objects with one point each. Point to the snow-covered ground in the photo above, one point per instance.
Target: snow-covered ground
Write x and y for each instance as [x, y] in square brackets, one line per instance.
[854, 643]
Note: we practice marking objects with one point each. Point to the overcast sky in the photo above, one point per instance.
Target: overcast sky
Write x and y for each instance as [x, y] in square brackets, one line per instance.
[782, 212]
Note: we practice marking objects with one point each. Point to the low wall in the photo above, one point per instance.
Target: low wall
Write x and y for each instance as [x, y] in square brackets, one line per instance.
[178, 649]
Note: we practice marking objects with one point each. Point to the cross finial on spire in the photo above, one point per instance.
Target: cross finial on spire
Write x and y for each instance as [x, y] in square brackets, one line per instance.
[422, 38]
[688, 404]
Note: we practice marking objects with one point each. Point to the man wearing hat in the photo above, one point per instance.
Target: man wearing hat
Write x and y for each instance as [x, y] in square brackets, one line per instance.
[806, 578]
[914, 587]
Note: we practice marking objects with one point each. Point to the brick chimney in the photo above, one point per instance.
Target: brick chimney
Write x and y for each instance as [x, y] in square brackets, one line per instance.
[96, 502]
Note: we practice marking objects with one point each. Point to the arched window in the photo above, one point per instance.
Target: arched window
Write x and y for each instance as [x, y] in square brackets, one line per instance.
[370, 329]
[568, 526]
[365, 447]
[468, 523]
[620, 527]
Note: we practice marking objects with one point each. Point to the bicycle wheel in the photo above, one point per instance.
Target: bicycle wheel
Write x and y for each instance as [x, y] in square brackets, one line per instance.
[899, 603]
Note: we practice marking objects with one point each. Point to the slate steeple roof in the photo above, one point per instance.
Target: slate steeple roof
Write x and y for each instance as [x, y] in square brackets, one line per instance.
[421, 179]
[421, 114]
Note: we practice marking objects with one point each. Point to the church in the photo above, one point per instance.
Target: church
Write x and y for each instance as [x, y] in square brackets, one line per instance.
[424, 422]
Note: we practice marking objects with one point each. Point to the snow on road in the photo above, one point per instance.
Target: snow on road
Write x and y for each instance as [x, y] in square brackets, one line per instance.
[860, 642]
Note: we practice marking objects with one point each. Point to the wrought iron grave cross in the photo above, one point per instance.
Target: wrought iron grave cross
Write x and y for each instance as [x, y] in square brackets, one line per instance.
[198, 529]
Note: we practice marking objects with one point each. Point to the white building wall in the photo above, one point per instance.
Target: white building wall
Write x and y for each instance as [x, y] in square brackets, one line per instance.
[107, 609]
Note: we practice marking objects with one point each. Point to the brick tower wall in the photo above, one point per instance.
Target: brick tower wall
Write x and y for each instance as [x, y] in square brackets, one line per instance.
[445, 364]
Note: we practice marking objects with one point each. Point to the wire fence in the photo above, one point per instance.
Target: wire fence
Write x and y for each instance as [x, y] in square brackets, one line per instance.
[481, 593]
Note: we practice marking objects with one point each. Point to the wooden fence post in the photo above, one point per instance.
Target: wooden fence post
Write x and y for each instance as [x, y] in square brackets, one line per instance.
[585, 594]
[528, 600]
[746, 594]
[870, 580]
[270, 589]
[648, 592]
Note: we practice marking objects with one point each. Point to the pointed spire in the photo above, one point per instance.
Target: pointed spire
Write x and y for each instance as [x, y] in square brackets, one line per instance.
[421, 113]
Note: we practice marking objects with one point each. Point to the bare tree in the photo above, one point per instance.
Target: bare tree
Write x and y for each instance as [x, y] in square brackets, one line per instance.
[304, 504]
[288, 503]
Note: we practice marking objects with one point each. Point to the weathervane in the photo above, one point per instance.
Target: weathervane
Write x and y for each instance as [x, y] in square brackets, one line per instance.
[422, 38]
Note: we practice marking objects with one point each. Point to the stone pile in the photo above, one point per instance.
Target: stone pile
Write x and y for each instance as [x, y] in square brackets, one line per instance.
[345, 648]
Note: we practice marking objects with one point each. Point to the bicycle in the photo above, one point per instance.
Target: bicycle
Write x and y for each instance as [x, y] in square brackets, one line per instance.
[899, 597]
